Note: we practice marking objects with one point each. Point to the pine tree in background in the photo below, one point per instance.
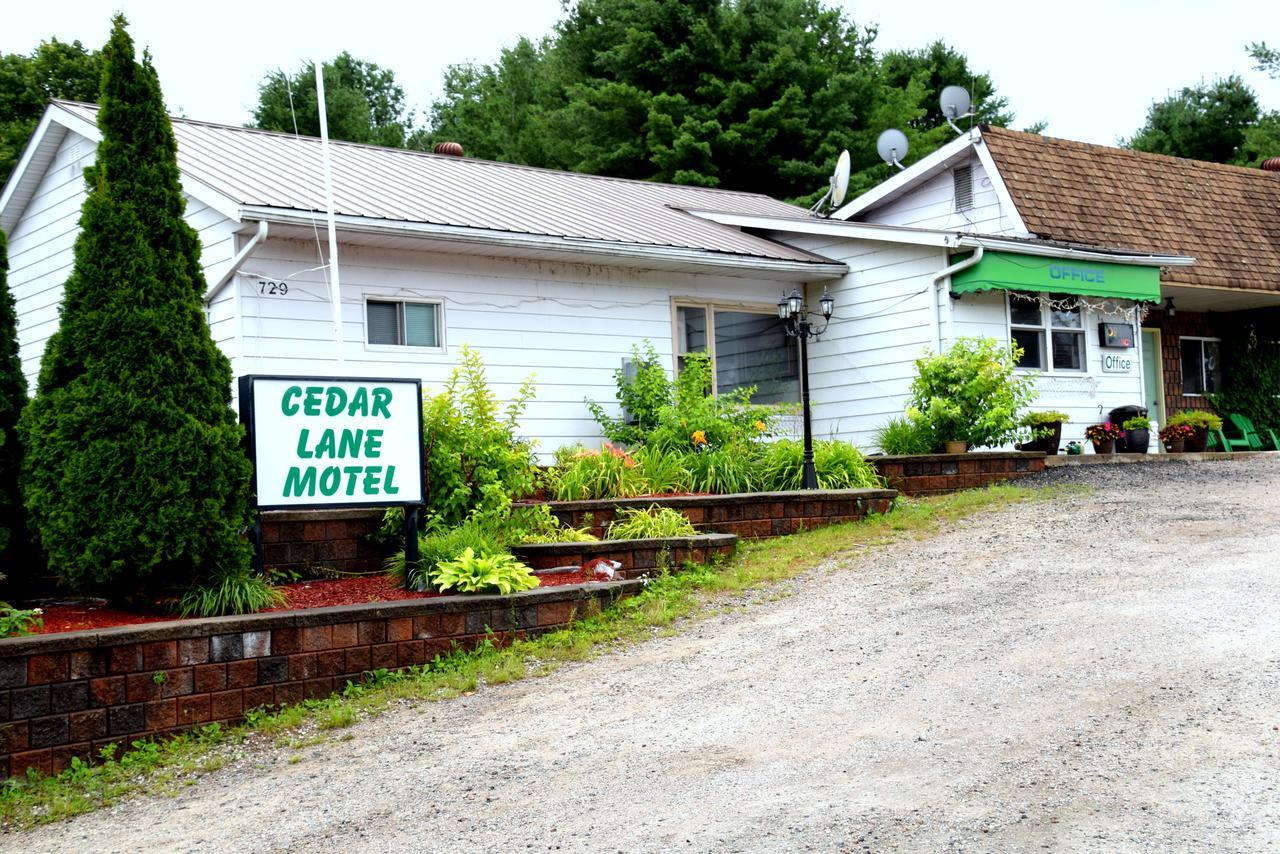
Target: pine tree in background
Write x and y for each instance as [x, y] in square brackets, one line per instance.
[135, 478]
[13, 397]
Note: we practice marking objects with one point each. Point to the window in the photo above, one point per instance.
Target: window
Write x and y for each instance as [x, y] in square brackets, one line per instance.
[403, 324]
[748, 347]
[1033, 325]
[1201, 370]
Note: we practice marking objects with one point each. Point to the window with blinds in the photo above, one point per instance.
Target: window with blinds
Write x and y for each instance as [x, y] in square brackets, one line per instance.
[403, 324]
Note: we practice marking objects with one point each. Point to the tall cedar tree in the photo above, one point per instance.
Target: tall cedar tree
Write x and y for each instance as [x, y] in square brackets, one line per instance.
[13, 396]
[136, 480]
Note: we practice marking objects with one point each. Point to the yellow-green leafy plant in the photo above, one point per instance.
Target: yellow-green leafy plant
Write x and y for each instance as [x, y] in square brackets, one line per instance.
[472, 573]
[650, 523]
[971, 393]
[608, 473]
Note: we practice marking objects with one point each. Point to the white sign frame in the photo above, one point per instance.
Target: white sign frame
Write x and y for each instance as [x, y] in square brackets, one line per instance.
[271, 432]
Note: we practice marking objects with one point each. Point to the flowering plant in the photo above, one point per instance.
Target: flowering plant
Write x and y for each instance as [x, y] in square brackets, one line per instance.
[1174, 432]
[699, 438]
[1104, 432]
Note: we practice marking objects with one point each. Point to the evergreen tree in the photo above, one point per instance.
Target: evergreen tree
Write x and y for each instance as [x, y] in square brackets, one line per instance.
[13, 396]
[135, 475]
[1205, 122]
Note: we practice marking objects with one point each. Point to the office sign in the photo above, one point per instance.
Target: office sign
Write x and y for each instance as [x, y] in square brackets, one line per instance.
[1117, 363]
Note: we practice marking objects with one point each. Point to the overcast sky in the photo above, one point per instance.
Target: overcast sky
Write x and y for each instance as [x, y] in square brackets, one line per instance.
[1092, 71]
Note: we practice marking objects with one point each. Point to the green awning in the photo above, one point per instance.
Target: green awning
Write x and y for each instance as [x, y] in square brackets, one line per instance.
[1010, 272]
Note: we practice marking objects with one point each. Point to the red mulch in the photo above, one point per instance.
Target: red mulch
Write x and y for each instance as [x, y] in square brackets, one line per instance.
[306, 594]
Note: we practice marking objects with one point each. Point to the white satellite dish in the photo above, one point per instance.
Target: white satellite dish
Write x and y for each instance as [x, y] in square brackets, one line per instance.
[956, 104]
[891, 145]
[840, 180]
[838, 185]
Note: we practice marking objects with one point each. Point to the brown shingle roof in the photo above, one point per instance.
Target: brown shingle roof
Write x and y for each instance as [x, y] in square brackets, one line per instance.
[1227, 217]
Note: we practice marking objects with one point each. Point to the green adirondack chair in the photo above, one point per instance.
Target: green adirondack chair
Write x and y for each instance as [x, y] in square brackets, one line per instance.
[1251, 438]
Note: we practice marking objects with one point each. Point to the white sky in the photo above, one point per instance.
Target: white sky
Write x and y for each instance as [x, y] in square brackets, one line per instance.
[1090, 67]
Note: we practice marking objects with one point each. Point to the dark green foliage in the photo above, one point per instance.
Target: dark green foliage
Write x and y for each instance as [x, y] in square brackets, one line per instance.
[756, 95]
[1250, 377]
[934, 68]
[905, 435]
[642, 397]
[1205, 122]
[363, 103]
[13, 397]
[27, 81]
[238, 592]
[135, 477]
[839, 465]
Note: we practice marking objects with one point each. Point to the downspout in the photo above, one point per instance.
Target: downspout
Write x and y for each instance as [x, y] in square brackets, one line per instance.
[236, 262]
[934, 323]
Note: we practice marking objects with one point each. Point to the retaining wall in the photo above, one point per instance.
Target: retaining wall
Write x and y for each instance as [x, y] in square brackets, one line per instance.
[637, 557]
[71, 694]
[934, 474]
[751, 515]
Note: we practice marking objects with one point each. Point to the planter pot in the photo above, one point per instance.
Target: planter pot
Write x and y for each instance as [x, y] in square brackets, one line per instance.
[955, 447]
[1107, 447]
[1137, 441]
[1175, 446]
[1196, 442]
[1046, 444]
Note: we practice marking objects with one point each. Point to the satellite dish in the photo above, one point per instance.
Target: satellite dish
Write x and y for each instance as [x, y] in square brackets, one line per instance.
[892, 147]
[955, 103]
[840, 180]
[838, 185]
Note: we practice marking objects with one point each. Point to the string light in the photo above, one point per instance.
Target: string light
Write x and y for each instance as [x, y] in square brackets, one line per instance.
[1107, 308]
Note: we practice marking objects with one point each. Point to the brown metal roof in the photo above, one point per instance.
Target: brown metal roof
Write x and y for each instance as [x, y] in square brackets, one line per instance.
[259, 168]
[1226, 217]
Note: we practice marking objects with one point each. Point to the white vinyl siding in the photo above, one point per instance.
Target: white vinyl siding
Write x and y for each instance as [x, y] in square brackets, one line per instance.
[935, 203]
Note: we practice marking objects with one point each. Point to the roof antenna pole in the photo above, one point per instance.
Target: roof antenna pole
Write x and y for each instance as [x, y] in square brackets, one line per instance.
[335, 283]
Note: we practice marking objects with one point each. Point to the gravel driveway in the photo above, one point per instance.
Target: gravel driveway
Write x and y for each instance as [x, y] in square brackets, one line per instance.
[1096, 673]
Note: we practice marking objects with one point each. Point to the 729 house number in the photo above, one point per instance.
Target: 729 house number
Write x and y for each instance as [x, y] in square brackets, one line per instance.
[270, 288]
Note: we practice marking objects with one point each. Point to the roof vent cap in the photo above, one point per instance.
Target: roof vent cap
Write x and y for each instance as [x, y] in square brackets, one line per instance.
[453, 149]
[1271, 164]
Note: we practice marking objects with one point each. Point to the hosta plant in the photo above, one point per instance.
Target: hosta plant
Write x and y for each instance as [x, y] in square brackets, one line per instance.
[472, 573]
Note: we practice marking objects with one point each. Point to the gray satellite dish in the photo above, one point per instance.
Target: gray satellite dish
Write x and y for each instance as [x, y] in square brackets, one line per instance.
[955, 104]
[891, 145]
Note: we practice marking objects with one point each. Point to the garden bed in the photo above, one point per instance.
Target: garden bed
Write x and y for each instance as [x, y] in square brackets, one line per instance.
[636, 557]
[934, 474]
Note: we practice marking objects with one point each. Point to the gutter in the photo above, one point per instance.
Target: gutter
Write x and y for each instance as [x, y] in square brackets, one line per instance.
[236, 263]
[1022, 247]
[947, 273]
[585, 246]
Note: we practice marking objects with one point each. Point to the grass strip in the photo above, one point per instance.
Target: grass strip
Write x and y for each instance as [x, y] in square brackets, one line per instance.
[165, 767]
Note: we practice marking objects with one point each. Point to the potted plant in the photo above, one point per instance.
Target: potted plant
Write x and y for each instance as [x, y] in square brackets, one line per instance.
[1103, 436]
[1175, 437]
[1046, 431]
[1201, 423]
[1137, 434]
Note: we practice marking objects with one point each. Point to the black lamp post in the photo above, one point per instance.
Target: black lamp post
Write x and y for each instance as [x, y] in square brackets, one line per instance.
[794, 315]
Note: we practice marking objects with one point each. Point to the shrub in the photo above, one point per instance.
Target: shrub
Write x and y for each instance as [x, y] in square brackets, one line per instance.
[721, 420]
[239, 592]
[13, 397]
[472, 456]
[440, 545]
[1196, 419]
[905, 436]
[607, 473]
[135, 477]
[650, 524]
[19, 622]
[971, 393]
[472, 573]
[839, 465]
[642, 398]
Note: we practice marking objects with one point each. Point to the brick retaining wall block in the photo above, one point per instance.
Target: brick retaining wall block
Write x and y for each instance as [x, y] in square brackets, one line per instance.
[301, 540]
[71, 694]
[750, 515]
[934, 474]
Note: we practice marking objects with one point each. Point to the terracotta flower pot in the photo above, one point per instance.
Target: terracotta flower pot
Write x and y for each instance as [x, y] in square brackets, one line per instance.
[955, 447]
